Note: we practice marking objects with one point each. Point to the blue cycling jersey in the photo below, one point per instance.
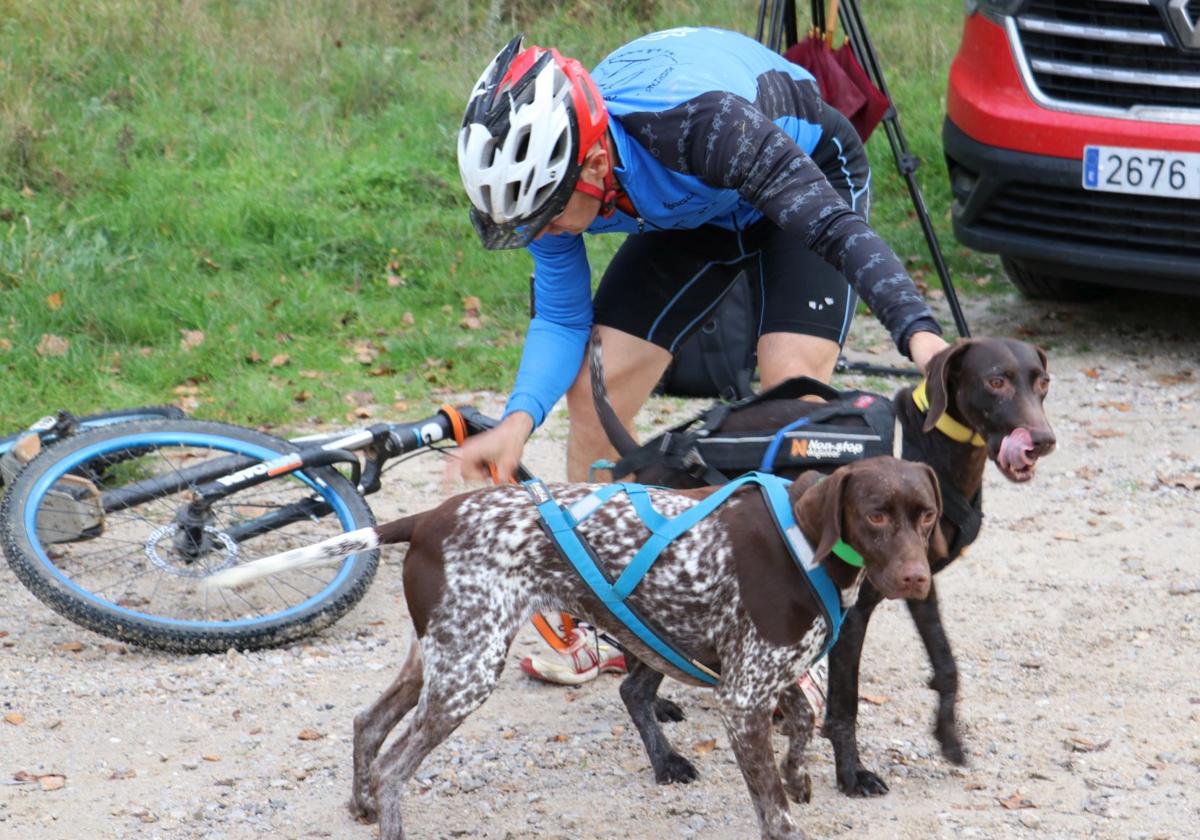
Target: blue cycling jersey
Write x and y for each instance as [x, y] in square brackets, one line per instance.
[710, 127]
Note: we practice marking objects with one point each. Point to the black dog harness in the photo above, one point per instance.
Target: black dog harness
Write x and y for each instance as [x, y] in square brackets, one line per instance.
[849, 426]
[965, 514]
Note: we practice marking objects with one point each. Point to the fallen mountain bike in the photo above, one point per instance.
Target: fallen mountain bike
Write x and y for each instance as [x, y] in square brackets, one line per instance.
[116, 527]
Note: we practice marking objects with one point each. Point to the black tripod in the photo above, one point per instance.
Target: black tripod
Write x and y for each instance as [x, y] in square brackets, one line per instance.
[778, 19]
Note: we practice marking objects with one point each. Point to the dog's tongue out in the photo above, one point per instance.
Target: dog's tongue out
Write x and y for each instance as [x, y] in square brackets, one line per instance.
[1014, 451]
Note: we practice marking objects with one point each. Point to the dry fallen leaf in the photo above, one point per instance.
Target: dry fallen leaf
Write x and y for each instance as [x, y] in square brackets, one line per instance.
[190, 339]
[365, 353]
[1180, 378]
[395, 280]
[1107, 433]
[52, 345]
[704, 747]
[15, 718]
[560, 738]
[408, 318]
[253, 357]
[1084, 745]
[54, 301]
[1118, 406]
[1066, 536]
[280, 359]
[310, 374]
[122, 773]
[310, 735]
[1187, 482]
[185, 390]
[70, 647]
[302, 396]
[1016, 802]
[211, 757]
[1091, 373]
[472, 320]
[874, 699]
[52, 781]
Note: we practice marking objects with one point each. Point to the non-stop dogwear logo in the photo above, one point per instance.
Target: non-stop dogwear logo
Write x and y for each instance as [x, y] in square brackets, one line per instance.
[819, 449]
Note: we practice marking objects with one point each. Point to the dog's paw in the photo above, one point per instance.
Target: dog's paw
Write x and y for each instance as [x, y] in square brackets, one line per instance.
[675, 769]
[952, 749]
[667, 711]
[363, 809]
[862, 782]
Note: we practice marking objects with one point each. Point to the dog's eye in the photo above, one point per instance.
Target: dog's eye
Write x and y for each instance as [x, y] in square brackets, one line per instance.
[928, 518]
[877, 518]
[1042, 385]
[997, 383]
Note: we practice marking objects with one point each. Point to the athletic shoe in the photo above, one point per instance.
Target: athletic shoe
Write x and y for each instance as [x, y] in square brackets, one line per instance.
[586, 659]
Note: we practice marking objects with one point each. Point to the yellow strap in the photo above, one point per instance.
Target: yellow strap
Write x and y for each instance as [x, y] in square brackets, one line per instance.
[946, 424]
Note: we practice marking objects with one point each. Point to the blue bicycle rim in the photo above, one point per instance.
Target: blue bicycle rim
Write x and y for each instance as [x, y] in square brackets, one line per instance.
[209, 441]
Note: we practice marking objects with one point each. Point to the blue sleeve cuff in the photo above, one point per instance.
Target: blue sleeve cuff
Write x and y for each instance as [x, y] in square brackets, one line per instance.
[526, 403]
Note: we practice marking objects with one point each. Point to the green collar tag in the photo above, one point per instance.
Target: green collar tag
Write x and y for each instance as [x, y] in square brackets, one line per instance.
[847, 554]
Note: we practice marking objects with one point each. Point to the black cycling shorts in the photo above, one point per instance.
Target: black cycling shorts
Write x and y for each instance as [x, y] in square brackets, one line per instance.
[663, 285]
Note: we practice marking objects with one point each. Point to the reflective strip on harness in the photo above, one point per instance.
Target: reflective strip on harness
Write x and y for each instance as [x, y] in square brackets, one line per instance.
[560, 523]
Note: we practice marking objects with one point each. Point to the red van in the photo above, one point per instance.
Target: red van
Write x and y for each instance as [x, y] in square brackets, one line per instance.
[1072, 138]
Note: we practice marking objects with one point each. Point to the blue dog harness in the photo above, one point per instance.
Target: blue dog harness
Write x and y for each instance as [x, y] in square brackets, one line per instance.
[560, 524]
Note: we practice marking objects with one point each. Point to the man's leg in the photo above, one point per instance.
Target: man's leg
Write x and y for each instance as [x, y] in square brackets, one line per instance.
[782, 356]
[632, 367]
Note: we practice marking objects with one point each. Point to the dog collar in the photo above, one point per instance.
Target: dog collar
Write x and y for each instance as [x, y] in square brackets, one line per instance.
[946, 424]
[848, 555]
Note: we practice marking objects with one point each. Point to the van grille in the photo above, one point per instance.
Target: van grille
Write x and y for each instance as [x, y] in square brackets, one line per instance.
[1134, 222]
[1112, 54]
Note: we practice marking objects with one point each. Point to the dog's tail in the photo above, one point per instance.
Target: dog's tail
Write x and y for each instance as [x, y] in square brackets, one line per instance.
[318, 554]
[616, 432]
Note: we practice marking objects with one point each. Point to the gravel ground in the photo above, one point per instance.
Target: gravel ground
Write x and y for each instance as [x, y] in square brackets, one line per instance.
[1074, 620]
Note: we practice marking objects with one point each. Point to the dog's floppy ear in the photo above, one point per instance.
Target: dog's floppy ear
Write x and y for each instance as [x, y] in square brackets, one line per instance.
[937, 385]
[819, 510]
[937, 542]
[803, 483]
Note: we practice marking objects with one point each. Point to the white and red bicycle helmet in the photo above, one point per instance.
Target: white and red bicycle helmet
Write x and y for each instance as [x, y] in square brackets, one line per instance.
[530, 121]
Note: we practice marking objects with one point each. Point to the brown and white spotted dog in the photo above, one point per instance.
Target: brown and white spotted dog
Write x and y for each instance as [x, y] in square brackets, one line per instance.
[727, 592]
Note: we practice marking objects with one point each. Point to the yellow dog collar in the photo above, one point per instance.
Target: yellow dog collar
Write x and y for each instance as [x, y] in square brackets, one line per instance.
[946, 424]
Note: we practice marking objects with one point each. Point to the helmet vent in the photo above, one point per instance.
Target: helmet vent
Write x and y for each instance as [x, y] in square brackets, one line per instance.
[522, 147]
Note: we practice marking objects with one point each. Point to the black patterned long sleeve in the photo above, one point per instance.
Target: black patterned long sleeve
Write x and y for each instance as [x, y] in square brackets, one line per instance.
[729, 142]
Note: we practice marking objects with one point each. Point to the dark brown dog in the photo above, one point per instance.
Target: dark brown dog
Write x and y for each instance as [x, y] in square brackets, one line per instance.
[994, 388]
[727, 592]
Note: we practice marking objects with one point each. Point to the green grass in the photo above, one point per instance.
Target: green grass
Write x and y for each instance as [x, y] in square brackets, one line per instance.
[279, 178]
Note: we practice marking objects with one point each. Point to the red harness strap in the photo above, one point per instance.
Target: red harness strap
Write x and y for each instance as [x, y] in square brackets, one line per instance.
[612, 197]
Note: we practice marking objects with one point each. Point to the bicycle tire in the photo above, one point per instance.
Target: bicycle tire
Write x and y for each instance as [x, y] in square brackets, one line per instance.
[56, 562]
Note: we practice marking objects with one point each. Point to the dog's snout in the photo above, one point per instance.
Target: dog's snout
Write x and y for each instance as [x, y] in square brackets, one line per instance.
[1043, 440]
[914, 579]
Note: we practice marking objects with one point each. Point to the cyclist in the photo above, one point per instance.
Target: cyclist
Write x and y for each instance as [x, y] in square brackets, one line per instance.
[715, 154]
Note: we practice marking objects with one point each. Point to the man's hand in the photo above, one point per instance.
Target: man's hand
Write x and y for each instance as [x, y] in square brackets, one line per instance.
[923, 346]
[501, 446]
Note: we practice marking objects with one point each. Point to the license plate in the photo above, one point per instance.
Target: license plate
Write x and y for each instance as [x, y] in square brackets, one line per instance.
[1141, 171]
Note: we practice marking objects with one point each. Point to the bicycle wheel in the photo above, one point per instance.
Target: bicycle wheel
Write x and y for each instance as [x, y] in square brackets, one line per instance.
[97, 527]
